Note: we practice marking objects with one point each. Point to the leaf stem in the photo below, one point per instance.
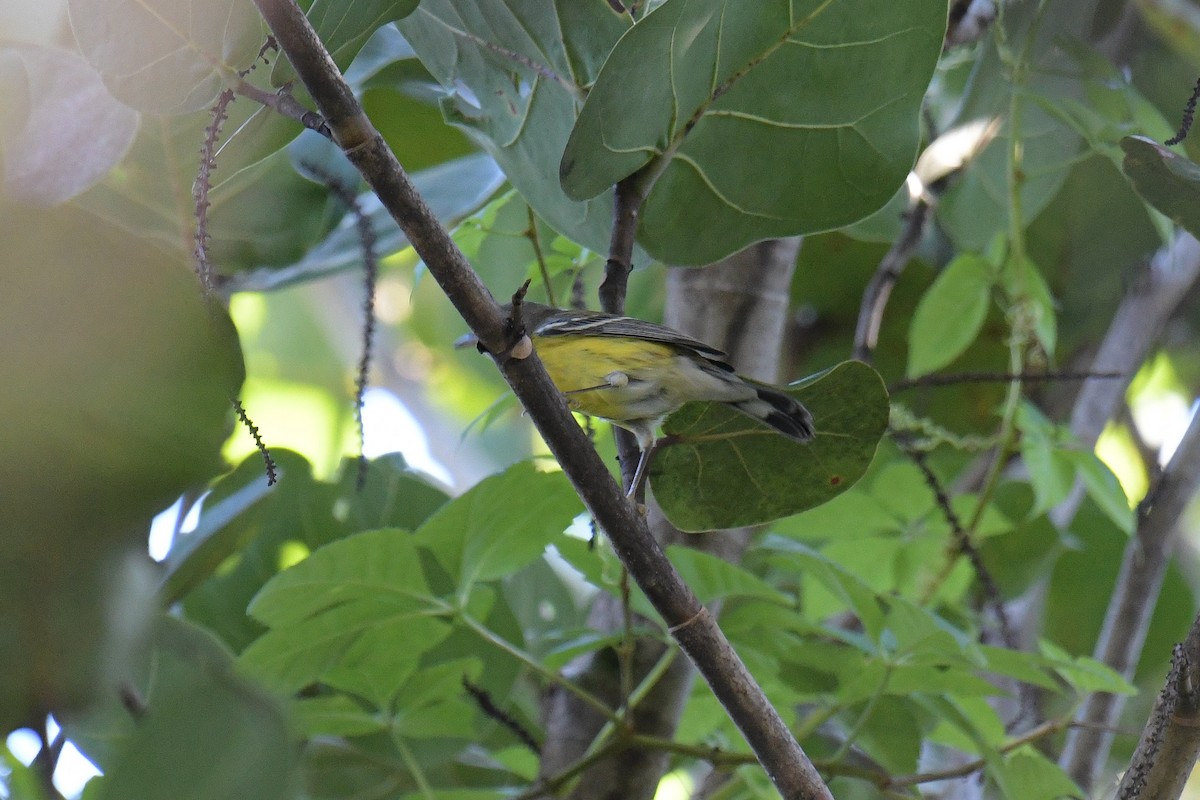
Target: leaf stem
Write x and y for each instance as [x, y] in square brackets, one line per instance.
[536, 666]
[414, 768]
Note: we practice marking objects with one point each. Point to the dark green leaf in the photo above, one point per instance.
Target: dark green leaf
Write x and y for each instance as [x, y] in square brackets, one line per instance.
[452, 190]
[723, 470]
[977, 206]
[1166, 180]
[205, 734]
[516, 71]
[783, 89]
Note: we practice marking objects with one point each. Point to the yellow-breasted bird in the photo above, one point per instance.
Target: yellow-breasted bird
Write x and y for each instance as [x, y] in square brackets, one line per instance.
[634, 373]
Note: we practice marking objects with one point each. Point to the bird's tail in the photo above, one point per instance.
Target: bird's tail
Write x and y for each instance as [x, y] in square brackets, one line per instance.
[781, 411]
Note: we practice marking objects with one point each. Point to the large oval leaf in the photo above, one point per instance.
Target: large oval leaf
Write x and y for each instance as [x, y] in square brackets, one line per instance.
[167, 56]
[515, 71]
[773, 121]
[63, 131]
[726, 470]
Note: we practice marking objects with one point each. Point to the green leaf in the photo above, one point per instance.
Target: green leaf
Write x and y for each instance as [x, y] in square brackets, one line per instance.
[1102, 486]
[367, 646]
[206, 733]
[240, 544]
[1026, 774]
[501, 524]
[976, 208]
[712, 577]
[335, 715]
[1166, 180]
[892, 736]
[165, 56]
[63, 132]
[1026, 667]
[950, 315]
[344, 26]
[516, 71]
[853, 593]
[723, 469]
[1043, 448]
[1025, 284]
[452, 190]
[1086, 674]
[817, 146]
[364, 566]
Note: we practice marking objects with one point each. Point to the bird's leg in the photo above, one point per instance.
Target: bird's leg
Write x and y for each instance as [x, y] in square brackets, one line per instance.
[640, 474]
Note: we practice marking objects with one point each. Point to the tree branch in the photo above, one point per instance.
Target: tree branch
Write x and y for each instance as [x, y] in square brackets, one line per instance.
[1137, 588]
[1136, 326]
[696, 631]
[1170, 742]
[879, 288]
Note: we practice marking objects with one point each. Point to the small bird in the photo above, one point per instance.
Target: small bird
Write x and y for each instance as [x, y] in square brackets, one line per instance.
[634, 373]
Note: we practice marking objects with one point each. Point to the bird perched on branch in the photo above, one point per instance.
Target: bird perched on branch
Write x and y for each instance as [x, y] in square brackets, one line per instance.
[634, 373]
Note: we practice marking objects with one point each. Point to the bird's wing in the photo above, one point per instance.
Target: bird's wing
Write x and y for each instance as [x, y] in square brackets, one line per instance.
[599, 324]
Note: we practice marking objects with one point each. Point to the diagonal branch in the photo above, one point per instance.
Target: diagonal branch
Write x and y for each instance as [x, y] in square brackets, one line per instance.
[1137, 325]
[691, 625]
[1170, 743]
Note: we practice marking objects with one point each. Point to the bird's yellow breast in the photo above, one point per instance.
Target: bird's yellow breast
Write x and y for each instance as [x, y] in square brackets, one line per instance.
[578, 363]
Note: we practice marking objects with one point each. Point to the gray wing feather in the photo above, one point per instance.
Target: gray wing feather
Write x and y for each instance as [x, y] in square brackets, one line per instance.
[598, 324]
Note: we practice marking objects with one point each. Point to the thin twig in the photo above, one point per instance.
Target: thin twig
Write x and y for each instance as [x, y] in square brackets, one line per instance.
[535, 239]
[366, 240]
[258, 442]
[282, 102]
[964, 545]
[46, 761]
[904, 384]
[203, 183]
[1189, 113]
[879, 288]
[488, 706]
